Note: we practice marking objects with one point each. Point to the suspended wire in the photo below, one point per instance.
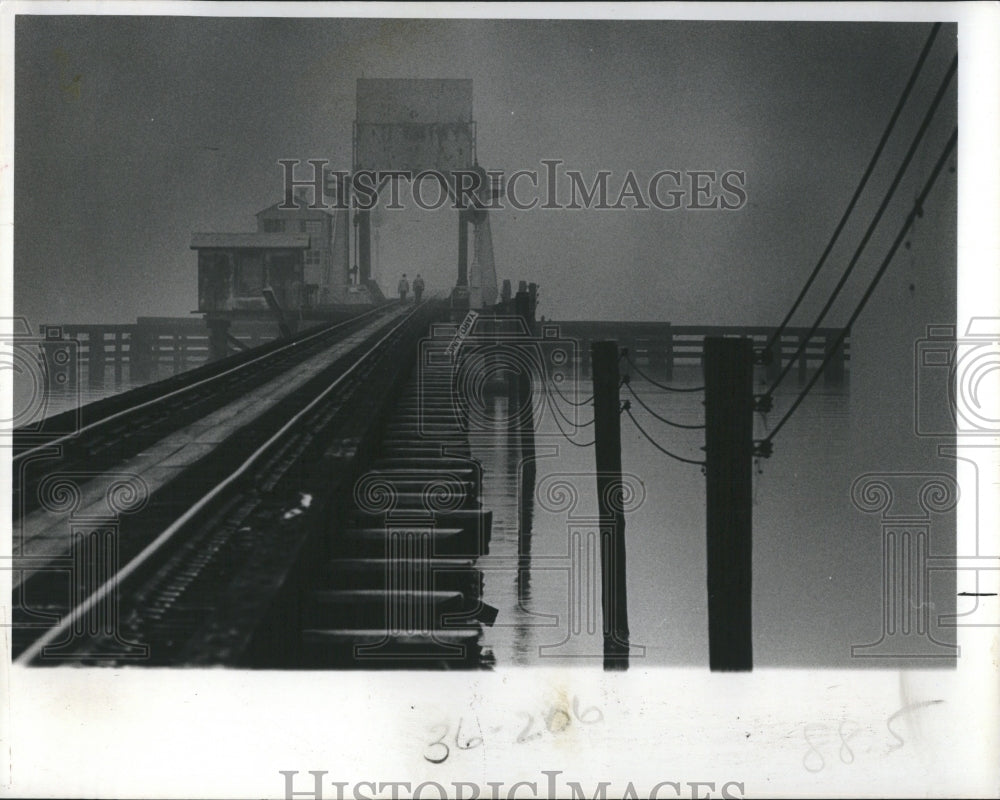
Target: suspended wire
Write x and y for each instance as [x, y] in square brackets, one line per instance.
[864, 180]
[570, 422]
[872, 225]
[915, 211]
[663, 386]
[566, 400]
[548, 400]
[657, 446]
[664, 420]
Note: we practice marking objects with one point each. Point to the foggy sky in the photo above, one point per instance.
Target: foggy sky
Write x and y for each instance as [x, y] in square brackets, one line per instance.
[179, 124]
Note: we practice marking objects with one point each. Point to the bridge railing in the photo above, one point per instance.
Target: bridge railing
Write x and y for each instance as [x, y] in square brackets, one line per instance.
[115, 356]
[118, 356]
[660, 347]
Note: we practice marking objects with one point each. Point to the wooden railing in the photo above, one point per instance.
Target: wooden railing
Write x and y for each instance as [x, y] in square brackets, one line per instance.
[107, 356]
[661, 346]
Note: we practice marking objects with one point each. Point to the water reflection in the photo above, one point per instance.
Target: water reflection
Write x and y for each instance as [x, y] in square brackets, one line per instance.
[818, 580]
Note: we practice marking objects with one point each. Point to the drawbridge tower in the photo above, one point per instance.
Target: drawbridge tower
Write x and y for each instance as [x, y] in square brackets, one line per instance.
[426, 127]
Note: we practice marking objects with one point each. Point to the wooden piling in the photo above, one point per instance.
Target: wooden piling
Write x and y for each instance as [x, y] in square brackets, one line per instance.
[177, 353]
[804, 358]
[139, 356]
[95, 359]
[118, 359]
[362, 219]
[513, 398]
[525, 390]
[729, 498]
[608, 458]
[505, 293]
[833, 375]
[668, 353]
[218, 337]
[773, 368]
[522, 394]
[463, 248]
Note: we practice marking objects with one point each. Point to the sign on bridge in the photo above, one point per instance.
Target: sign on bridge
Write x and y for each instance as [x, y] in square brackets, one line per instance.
[414, 124]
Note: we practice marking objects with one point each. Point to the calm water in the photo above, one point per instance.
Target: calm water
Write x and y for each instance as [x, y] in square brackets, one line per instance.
[818, 571]
[817, 558]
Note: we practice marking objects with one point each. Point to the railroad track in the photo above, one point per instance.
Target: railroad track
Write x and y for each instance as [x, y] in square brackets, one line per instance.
[116, 429]
[151, 584]
[399, 586]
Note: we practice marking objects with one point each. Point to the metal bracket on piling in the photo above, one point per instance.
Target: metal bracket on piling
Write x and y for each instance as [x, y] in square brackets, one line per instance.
[763, 449]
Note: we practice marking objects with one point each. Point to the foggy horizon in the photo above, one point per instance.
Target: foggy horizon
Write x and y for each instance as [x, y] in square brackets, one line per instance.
[301, 536]
[134, 133]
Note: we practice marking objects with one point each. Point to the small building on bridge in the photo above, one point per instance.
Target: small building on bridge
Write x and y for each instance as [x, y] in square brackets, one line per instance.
[235, 268]
[326, 259]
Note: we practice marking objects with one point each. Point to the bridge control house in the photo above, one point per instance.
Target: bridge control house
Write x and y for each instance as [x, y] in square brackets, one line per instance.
[326, 261]
[235, 268]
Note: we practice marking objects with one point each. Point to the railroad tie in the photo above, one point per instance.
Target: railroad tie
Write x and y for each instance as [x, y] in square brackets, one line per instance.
[402, 589]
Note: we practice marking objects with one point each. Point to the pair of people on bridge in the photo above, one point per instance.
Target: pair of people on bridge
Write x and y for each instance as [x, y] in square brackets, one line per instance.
[404, 288]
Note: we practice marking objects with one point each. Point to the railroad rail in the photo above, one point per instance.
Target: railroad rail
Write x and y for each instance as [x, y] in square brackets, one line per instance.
[399, 585]
[112, 430]
[182, 531]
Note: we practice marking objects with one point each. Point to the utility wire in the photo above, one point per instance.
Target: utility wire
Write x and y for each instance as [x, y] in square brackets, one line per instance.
[657, 446]
[917, 208]
[663, 386]
[548, 399]
[664, 420]
[570, 422]
[566, 400]
[872, 225]
[864, 180]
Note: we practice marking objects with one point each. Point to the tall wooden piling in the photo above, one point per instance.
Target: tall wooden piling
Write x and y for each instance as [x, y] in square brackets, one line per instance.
[523, 395]
[608, 458]
[525, 389]
[729, 497]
